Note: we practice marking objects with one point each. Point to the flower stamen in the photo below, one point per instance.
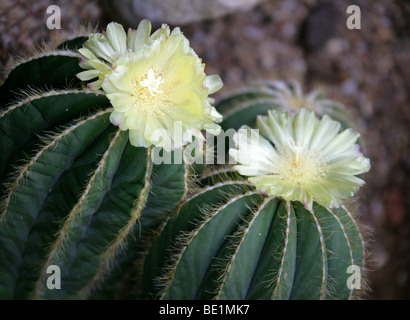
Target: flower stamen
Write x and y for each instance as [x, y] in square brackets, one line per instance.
[147, 95]
[300, 165]
[152, 83]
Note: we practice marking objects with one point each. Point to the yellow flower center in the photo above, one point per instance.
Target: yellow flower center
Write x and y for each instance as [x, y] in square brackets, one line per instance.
[301, 165]
[149, 93]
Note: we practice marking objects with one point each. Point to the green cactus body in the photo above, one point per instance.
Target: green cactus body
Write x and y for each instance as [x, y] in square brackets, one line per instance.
[73, 189]
[77, 195]
[245, 245]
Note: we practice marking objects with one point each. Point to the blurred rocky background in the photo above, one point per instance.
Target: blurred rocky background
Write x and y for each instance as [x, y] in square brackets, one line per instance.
[243, 41]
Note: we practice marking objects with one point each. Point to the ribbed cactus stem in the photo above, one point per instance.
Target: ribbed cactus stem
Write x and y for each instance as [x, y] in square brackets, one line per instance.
[352, 260]
[49, 144]
[245, 245]
[76, 193]
[84, 197]
[281, 275]
[110, 254]
[237, 241]
[33, 95]
[357, 229]
[249, 104]
[23, 201]
[323, 256]
[44, 53]
[82, 211]
[186, 240]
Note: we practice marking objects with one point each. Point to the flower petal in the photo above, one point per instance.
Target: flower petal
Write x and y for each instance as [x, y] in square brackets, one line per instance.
[118, 119]
[137, 138]
[101, 47]
[121, 102]
[94, 85]
[254, 152]
[87, 53]
[213, 83]
[137, 38]
[304, 126]
[88, 75]
[342, 142]
[326, 130]
[117, 37]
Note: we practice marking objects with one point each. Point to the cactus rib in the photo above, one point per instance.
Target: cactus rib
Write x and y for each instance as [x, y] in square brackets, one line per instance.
[22, 172]
[41, 54]
[323, 287]
[241, 234]
[283, 253]
[118, 244]
[358, 231]
[186, 238]
[25, 196]
[33, 95]
[65, 234]
[254, 103]
[352, 260]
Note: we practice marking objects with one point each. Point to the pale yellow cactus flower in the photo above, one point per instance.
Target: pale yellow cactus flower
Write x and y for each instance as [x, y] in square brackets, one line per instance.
[300, 157]
[156, 84]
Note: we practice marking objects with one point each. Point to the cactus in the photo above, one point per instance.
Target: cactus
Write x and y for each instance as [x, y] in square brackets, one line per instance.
[263, 237]
[80, 190]
[74, 191]
[246, 245]
[243, 105]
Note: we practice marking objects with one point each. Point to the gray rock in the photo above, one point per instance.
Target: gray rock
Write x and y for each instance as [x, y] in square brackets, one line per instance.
[173, 12]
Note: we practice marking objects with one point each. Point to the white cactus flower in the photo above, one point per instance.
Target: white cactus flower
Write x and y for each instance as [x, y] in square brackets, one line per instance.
[301, 158]
[156, 84]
